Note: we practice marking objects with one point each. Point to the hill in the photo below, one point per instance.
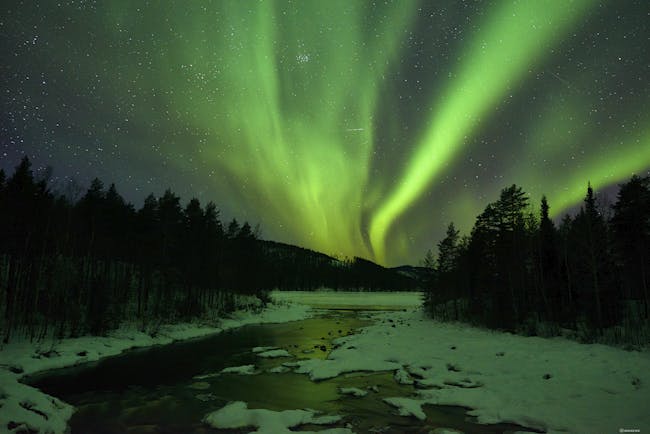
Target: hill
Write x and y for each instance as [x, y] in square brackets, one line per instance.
[291, 267]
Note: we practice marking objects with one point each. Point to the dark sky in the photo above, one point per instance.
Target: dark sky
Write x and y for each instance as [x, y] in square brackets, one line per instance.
[350, 127]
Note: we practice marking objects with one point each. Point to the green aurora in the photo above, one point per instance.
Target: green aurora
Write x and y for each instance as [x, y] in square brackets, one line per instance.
[348, 127]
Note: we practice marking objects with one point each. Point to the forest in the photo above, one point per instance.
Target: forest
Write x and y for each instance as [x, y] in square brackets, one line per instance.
[76, 265]
[586, 278]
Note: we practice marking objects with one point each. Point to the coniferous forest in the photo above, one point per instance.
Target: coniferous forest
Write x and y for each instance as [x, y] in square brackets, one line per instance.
[75, 265]
[587, 277]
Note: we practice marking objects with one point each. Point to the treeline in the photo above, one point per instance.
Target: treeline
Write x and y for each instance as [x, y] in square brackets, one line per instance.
[70, 266]
[518, 271]
[73, 267]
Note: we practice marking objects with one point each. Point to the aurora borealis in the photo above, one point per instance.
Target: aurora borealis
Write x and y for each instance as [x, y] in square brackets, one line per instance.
[350, 127]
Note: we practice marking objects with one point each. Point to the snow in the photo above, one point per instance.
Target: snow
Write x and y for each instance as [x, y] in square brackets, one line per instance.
[342, 361]
[554, 384]
[241, 370]
[200, 385]
[263, 349]
[359, 393]
[24, 407]
[205, 397]
[448, 431]
[271, 354]
[403, 377]
[238, 415]
[206, 376]
[407, 407]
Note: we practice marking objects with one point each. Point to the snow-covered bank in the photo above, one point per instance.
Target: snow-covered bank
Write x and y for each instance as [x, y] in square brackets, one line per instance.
[25, 407]
[550, 384]
[555, 384]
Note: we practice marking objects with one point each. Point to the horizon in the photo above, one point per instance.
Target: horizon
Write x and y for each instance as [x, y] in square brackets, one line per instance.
[57, 187]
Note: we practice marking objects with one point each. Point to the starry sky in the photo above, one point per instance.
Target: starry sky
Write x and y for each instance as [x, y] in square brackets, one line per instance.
[356, 128]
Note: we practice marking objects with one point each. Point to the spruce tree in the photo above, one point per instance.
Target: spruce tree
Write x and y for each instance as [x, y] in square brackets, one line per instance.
[233, 229]
[548, 261]
[593, 268]
[429, 260]
[448, 250]
[631, 236]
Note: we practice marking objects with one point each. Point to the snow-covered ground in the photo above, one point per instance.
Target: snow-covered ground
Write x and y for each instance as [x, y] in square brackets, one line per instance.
[23, 407]
[554, 385]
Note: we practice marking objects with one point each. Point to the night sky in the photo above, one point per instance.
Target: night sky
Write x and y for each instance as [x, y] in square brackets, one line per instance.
[349, 127]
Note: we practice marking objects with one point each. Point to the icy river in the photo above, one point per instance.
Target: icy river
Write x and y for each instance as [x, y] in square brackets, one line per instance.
[170, 388]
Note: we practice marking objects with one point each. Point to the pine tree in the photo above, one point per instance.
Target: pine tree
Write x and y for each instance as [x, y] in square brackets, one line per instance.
[448, 250]
[592, 263]
[446, 270]
[547, 260]
[20, 194]
[20, 221]
[3, 213]
[233, 229]
[90, 211]
[148, 253]
[566, 268]
[511, 255]
[212, 251]
[246, 232]
[429, 260]
[170, 218]
[118, 217]
[631, 230]
[510, 208]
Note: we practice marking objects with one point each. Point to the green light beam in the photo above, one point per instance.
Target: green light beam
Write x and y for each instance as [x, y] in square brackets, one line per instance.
[515, 36]
[297, 91]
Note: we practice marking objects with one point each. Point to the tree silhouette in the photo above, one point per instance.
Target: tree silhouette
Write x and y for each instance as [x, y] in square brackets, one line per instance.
[518, 272]
[547, 262]
[631, 229]
[233, 229]
[593, 262]
[448, 250]
[72, 265]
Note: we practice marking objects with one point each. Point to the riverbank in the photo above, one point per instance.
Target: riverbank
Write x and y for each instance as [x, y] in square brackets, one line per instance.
[553, 385]
[24, 407]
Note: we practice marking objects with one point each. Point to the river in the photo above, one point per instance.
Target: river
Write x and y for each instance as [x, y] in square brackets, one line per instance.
[169, 389]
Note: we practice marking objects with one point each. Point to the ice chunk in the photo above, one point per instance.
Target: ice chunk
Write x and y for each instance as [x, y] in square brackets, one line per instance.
[263, 349]
[274, 354]
[242, 370]
[238, 415]
[403, 377]
[353, 391]
[407, 407]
